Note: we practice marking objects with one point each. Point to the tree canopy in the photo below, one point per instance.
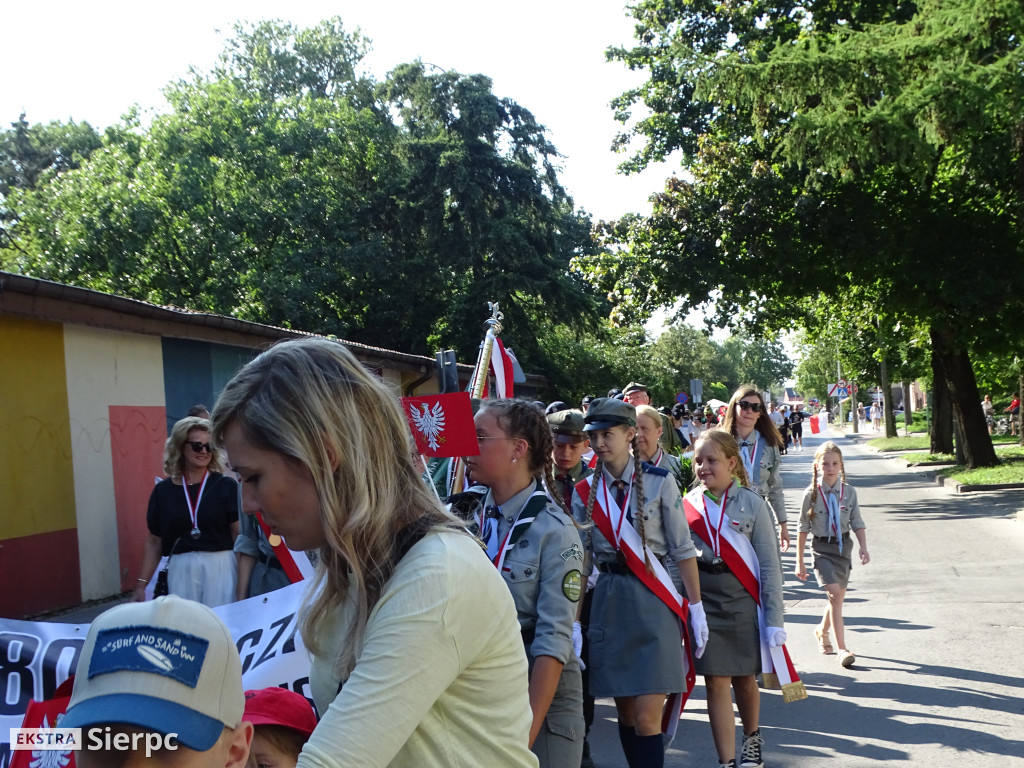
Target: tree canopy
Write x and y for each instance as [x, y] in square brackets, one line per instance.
[286, 187]
[833, 148]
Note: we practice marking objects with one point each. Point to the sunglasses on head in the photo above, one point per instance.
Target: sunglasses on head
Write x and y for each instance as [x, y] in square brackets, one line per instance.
[199, 447]
[745, 406]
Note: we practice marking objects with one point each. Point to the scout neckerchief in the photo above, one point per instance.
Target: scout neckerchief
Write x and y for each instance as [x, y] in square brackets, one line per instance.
[537, 502]
[750, 451]
[609, 521]
[193, 512]
[777, 668]
[833, 499]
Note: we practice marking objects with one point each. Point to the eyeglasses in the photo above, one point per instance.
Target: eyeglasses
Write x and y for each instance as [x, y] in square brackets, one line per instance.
[748, 406]
[200, 447]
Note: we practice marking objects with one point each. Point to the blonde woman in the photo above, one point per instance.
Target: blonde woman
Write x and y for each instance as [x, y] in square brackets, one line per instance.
[194, 514]
[417, 656]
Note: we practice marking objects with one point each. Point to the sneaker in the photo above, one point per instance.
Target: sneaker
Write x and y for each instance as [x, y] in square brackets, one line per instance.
[730, 764]
[750, 755]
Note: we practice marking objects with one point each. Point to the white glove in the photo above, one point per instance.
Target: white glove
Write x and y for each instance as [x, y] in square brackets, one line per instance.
[776, 636]
[699, 625]
[577, 642]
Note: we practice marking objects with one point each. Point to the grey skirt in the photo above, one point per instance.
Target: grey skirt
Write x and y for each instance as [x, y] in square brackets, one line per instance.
[734, 640]
[634, 640]
[830, 567]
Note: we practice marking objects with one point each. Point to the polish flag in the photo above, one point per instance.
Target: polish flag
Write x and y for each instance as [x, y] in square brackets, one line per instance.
[442, 425]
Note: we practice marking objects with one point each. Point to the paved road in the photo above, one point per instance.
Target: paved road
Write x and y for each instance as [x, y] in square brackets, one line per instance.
[937, 623]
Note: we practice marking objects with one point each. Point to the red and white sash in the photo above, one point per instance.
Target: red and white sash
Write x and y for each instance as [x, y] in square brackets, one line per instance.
[735, 549]
[627, 541]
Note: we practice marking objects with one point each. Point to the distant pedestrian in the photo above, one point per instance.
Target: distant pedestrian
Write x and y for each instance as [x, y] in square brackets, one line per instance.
[829, 512]
[876, 416]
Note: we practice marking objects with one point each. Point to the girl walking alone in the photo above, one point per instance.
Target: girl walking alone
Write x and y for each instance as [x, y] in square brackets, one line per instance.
[828, 513]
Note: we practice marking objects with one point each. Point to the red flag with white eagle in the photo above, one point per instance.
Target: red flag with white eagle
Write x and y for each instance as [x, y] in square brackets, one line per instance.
[442, 425]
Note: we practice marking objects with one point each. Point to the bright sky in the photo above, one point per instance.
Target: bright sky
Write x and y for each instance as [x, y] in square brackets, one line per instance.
[92, 61]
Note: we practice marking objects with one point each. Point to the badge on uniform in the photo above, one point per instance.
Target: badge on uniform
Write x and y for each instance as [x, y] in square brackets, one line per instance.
[572, 586]
[574, 551]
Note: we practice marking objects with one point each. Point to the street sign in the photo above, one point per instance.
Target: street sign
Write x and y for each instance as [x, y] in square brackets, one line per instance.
[842, 392]
[697, 388]
[683, 398]
[842, 383]
[833, 389]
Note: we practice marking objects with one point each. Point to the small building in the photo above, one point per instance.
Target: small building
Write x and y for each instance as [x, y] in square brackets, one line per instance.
[90, 384]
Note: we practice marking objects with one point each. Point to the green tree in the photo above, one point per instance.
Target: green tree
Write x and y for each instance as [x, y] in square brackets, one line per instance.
[854, 146]
[286, 187]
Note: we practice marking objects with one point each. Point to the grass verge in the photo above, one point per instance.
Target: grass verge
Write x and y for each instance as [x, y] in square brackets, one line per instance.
[899, 443]
[917, 457]
[1009, 470]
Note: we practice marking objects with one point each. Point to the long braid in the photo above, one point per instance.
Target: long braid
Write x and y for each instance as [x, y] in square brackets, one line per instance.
[814, 486]
[592, 496]
[638, 487]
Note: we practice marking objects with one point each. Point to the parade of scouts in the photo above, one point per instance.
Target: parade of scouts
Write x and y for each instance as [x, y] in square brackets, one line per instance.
[630, 566]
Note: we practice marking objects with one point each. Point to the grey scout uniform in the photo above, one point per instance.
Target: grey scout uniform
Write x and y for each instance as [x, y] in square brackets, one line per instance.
[849, 511]
[749, 515]
[628, 621]
[768, 482]
[664, 522]
[543, 571]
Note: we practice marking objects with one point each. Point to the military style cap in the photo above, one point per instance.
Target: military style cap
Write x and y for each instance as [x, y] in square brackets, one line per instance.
[634, 386]
[567, 427]
[606, 412]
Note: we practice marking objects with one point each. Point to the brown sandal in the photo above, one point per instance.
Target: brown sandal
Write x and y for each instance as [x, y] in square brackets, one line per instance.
[824, 644]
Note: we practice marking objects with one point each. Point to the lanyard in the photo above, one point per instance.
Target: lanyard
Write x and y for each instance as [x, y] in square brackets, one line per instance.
[748, 456]
[656, 459]
[716, 533]
[833, 515]
[608, 505]
[193, 511]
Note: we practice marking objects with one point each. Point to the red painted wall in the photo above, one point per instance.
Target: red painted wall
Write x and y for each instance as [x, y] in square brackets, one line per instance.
[39, 573]
[137, 435]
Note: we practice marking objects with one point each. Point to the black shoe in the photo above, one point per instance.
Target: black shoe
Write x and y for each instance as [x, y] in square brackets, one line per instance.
[750, 755]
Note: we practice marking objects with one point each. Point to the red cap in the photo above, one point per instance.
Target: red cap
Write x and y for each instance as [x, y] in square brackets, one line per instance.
[278, 706]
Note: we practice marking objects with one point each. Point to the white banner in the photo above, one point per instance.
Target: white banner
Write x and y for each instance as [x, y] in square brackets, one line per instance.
[37, 656]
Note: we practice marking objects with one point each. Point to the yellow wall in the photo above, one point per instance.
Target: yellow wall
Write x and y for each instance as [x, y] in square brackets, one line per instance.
[35, 447]
[104, 368]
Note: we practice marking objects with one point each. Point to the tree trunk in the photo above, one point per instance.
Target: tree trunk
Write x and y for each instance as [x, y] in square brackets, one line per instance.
[887, 417]
[963, 394]
[908, 408]
[942, 411]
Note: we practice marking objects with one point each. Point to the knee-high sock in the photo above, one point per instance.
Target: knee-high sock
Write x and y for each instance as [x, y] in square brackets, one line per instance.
[648, 752]
[627, 735]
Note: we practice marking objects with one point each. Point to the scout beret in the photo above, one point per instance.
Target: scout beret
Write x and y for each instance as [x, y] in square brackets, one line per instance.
[567, 426]
[606, 412]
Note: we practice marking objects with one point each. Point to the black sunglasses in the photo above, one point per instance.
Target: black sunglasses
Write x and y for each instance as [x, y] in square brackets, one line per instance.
[200, 447]
[745, 406]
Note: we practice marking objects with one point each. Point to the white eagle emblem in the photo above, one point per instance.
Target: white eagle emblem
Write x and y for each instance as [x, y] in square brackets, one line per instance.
[430, 423]
[47, 758]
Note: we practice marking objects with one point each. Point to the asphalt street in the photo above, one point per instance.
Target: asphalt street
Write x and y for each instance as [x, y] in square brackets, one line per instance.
[936, 620]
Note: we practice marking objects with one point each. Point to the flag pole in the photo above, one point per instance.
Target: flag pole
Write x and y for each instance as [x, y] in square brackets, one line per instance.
[476, 387]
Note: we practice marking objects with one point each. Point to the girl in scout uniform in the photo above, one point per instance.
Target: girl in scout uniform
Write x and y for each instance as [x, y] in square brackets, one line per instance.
[533, 542]
[829, 512]
[761, 446]
[735, 540]
[633, 516]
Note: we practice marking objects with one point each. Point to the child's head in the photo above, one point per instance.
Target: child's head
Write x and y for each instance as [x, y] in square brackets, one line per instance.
[283, 722]
[716, 458]
[828, 462]
[611, 427]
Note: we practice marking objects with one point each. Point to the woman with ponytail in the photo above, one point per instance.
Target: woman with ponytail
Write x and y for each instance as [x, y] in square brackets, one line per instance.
[632, 656]
[532, 541]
